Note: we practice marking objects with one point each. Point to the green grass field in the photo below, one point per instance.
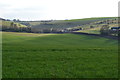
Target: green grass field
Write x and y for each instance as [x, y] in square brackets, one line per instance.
[95, 30]
[27, 55]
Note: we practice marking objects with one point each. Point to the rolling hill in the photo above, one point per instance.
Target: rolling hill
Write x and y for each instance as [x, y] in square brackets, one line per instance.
[87, 25]
[63, 24]
[96, 26]
[6, 23]
[29, 55]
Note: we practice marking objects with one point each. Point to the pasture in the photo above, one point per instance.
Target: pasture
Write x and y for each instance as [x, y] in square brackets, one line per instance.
[28, 55]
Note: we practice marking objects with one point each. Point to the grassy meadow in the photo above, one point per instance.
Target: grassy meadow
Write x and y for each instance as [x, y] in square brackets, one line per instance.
[28, 55]
[95, 30]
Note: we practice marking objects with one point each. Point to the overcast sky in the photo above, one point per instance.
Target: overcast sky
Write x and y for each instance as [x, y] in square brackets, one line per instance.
[57, 9]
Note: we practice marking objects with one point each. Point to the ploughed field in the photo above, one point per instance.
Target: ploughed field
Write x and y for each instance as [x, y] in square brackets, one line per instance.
[28, 55]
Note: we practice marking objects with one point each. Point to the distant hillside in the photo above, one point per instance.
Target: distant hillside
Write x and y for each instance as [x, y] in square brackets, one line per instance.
[9, 23]
[96, 26]
[11, 26]
[63, 24]
[88, 25]
[2, 19]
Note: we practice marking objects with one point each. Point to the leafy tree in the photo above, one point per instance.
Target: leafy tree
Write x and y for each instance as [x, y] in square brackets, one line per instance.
[104, 30]
[14, 20]
[12, 24]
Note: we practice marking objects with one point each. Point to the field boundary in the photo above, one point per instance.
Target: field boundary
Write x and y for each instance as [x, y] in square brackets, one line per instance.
[89, 34]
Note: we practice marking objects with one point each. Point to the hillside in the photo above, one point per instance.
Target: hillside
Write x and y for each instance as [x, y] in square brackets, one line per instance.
[11, 26]
[96, 26]
[65, 55]
[87, 25]
[8, 24]
[62, 24]
[5, 24]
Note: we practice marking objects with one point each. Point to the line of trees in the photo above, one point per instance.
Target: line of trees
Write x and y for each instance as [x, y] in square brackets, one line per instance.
[16, 28]
[46, 30]
[30, 30]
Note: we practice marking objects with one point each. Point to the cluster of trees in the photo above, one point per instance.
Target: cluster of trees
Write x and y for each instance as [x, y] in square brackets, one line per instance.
[16, 20]
[12, 26]
[108, 21]
[105, 30]
[15, 28]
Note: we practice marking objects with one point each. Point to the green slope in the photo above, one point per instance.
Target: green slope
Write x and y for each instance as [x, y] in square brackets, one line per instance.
[58, 56]
[96, 27]
[62, 24]
[94, 18]
[8, 23]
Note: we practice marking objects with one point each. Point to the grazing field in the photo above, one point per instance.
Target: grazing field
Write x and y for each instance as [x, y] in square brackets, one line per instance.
[27, 55]
[95, 30]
